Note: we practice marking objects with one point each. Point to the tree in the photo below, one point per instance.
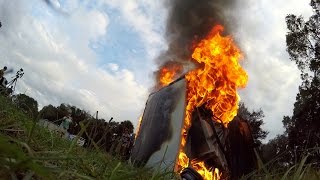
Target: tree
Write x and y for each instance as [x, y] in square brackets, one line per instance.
[77, 115]
[303, 41]
[63, 110]
[49, 112]
[126, 126]
[255, 119]
[277, 152]
[104, 134]
[27, 104]
[303, 46]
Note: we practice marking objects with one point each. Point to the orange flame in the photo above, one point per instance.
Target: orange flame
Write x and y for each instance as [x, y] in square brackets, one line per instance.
[138, 127]
[168, 73]
[167, 76]
[206, 173]
[214, 85]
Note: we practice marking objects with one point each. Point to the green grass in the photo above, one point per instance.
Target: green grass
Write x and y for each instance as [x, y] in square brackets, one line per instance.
[300, 171]
[28, 151]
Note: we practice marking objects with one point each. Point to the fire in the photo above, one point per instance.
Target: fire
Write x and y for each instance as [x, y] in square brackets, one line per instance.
[167, 77]
[138, 126]
[206, 173]
[214, 84]
[169, 72]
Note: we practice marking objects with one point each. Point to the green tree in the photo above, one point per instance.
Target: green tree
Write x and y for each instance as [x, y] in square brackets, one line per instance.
[303, 41]
[277, 150]
[49, 112]
[303, 46]
[255, 119]
[63, 110]
[27, 104]
[126, 125]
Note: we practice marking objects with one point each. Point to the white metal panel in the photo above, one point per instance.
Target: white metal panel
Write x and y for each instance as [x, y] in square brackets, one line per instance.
[159, 138]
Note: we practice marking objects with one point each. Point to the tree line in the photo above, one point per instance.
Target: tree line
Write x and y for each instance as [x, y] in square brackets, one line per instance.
[106, 134]
[302, 129]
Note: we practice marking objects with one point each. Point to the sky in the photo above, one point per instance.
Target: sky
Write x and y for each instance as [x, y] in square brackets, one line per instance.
[99, 54]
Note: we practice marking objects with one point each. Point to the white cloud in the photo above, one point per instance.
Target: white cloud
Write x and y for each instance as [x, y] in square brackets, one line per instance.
[60, 67]
[273, 79]
[113, 67]
[92, 23]
[147, 19]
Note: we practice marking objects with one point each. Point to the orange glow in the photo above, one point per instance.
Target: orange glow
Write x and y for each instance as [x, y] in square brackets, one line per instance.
[214, 84]
[138, 126]
[206, 173]
[169, 73]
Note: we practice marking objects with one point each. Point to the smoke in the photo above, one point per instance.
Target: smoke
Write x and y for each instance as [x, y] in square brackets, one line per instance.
[188, 22]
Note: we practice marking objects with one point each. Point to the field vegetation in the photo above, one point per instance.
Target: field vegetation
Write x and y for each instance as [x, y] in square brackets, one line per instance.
[29, 151]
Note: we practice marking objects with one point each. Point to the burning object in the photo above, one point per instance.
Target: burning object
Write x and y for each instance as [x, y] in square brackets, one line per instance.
[210, 148]
[187, 124]
[158, 139]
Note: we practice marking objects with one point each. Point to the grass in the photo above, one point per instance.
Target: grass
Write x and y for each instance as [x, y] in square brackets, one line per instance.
[299, 171]
[28, 151]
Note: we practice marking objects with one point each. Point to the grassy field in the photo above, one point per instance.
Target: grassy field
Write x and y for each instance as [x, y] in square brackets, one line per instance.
[28, 151]
[300, 171]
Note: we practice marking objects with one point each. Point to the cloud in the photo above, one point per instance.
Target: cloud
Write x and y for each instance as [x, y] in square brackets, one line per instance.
[273, 79]
[147, 18]
[60, 66]
[54, 49]
[92, 23]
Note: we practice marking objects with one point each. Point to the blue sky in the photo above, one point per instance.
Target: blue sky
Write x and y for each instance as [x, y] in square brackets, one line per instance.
[99, 55]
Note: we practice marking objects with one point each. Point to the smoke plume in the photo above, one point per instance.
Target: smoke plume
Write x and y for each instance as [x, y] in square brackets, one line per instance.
[188, 22]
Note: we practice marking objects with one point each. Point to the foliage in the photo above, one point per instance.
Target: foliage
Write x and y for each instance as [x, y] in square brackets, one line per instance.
[303, 42]
[105, 134]
[26, 104]
[49, 112]
[255, 119]
[28, 151]
[277, 150]
[301, 170]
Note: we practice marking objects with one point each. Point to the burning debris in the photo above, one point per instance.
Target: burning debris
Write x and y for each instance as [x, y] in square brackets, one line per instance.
[210, 151]
[191, 116]
[213, 85]
[191, 123]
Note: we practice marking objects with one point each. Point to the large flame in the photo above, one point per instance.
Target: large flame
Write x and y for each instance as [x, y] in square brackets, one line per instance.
[214, 84]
